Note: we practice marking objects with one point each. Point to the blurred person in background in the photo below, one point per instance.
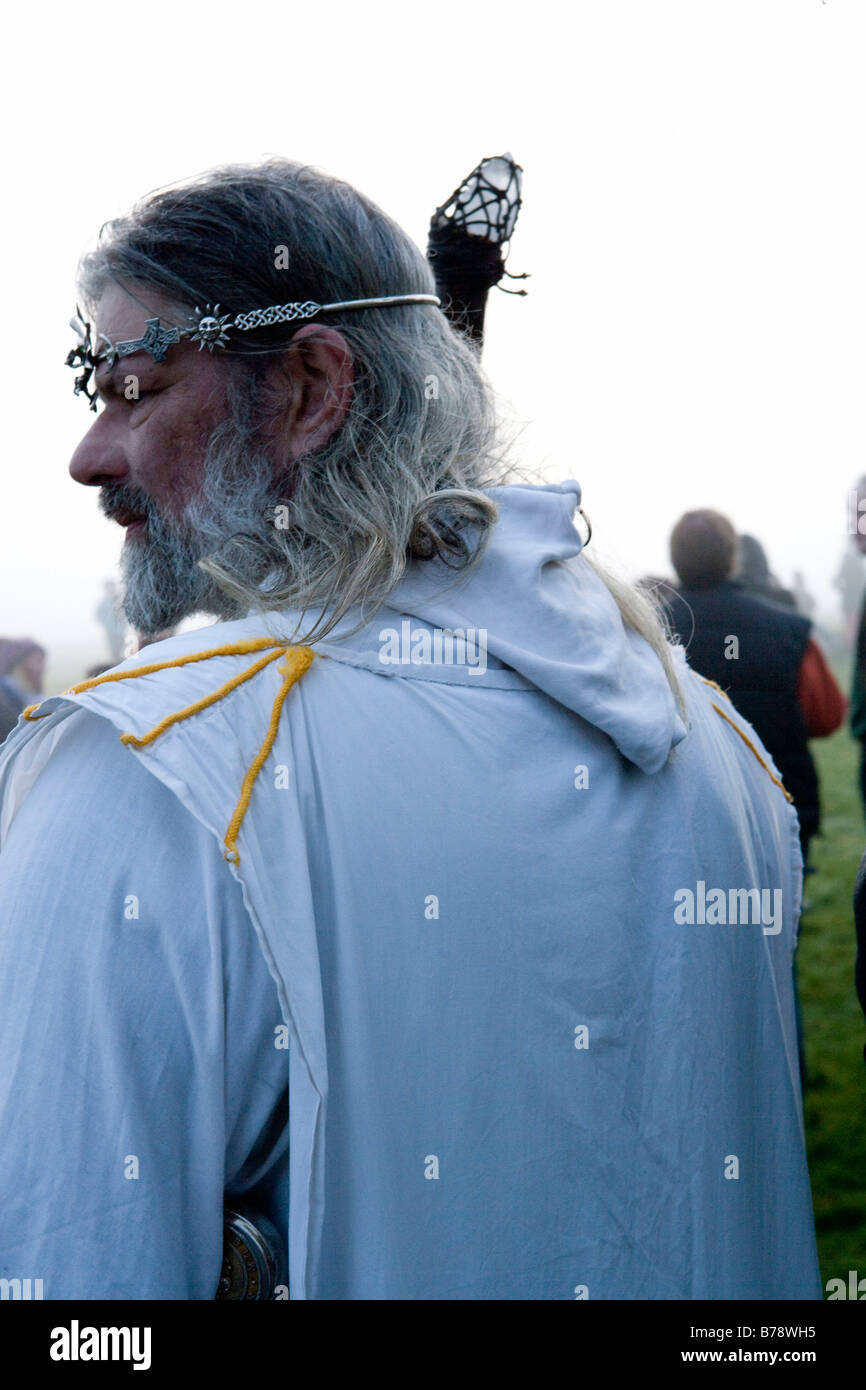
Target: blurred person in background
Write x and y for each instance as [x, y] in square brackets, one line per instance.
[761, 652]
[109, 614]
[753, 573]
[849, 582]
[858, 678]
[22, 670]
[804, 600]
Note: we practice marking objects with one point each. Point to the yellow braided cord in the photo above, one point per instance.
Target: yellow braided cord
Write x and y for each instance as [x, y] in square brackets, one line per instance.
[716, 687]
[749, 744]
[298, 660]
[252, 644]
[204, 703]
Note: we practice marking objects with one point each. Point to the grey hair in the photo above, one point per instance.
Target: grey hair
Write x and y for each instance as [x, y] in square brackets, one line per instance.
[349, 517]
[402, 478]
[644, 613]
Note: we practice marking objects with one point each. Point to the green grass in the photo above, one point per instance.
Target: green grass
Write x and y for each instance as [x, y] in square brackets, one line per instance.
[835, 1033]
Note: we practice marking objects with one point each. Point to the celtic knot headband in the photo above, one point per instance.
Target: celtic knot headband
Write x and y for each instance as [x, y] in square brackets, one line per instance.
[209, 329]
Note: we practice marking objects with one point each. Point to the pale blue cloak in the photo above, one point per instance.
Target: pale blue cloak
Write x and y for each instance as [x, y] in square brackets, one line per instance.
[513, 1071]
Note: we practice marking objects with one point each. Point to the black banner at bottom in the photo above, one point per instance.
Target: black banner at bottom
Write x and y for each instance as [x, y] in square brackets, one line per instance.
[157, 1338]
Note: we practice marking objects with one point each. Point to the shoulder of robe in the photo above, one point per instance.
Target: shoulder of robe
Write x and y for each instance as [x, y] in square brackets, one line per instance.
[712, 706]
[169, 685]
[170, 681]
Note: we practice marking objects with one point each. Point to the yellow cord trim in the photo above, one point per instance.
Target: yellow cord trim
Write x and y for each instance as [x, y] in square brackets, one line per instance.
[749, 744]
[297, 661]
[252, 644]
[199, 705]
[716, 687]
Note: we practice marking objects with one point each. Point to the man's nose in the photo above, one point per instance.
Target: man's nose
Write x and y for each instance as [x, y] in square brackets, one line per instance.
[98, 458]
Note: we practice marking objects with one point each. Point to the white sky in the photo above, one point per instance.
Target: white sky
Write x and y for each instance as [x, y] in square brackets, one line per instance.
[693, 220]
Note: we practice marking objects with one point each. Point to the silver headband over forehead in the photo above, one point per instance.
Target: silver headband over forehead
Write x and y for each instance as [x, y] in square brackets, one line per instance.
[209, 329]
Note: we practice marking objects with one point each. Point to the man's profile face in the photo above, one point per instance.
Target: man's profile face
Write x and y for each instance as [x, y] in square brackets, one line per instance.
[156, 417]
[146, 452]
[182, 472]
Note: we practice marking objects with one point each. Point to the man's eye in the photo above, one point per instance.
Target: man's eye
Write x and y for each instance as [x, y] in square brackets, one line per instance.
[128, 392]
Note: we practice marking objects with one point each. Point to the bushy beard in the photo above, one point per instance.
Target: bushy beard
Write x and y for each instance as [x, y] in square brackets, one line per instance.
[229, 522]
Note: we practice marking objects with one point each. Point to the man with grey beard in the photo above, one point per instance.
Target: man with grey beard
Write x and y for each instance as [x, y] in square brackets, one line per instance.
[162, 579]
[367, 936]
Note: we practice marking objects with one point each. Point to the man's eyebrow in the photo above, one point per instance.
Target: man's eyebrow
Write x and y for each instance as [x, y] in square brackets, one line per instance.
[110, 379]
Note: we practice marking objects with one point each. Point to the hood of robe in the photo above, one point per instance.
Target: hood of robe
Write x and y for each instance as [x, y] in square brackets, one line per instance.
[530, 608]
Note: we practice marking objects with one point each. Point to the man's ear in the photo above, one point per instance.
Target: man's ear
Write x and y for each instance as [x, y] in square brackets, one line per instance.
[314, 376]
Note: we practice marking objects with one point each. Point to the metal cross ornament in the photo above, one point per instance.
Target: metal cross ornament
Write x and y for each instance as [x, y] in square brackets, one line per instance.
[155, 340]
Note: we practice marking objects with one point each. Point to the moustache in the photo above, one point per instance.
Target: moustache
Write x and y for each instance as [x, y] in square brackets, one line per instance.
[126, 505]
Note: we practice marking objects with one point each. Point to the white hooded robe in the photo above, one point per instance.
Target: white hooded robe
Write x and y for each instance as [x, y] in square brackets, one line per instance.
[449, 1021]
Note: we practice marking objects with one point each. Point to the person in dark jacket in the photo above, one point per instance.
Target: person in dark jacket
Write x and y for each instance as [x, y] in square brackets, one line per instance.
[760, 652]
[762, 655]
